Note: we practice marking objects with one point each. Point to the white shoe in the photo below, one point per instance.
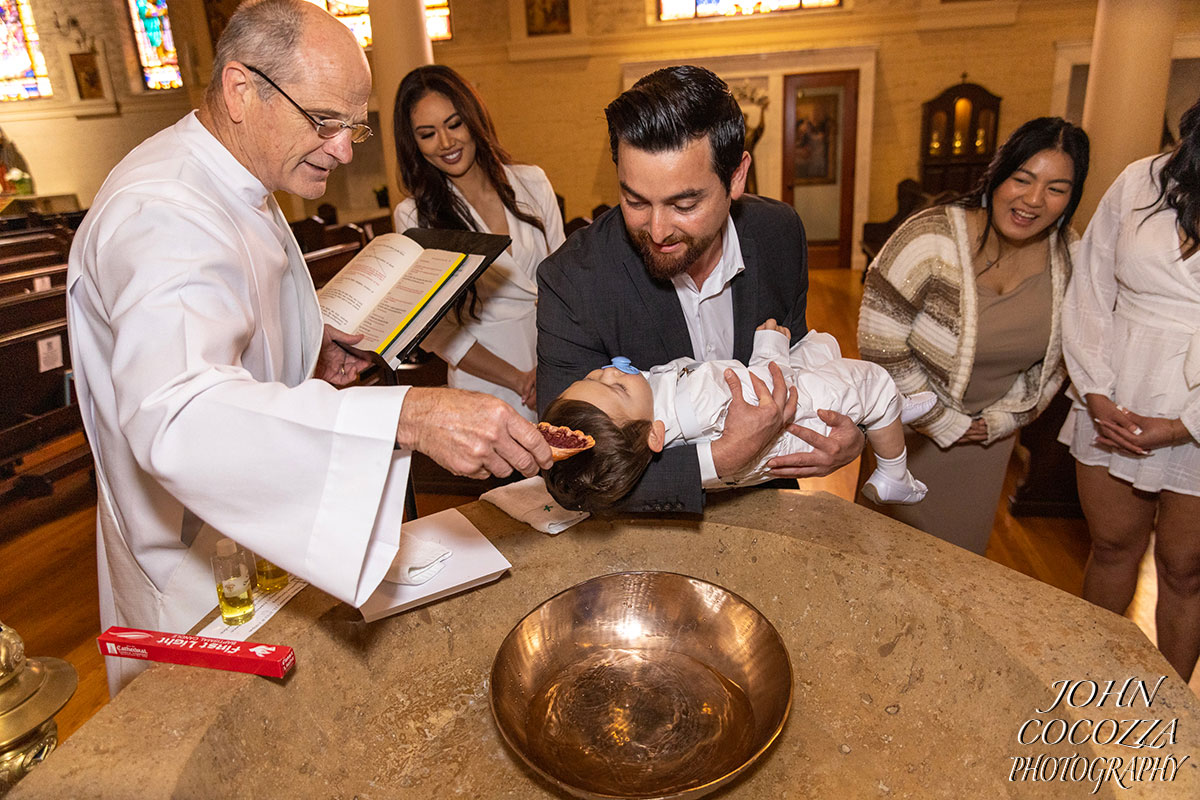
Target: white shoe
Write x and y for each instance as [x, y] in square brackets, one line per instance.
[915, 406]
[881, 489]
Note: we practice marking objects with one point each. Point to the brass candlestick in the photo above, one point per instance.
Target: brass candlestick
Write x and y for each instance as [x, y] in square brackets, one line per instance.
[32, 691]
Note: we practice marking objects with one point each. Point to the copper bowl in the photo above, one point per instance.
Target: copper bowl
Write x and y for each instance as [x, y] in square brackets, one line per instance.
[641, 685]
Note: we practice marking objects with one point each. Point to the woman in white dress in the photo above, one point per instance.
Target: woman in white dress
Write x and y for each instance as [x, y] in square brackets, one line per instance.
[457, 176]
[1131, 336]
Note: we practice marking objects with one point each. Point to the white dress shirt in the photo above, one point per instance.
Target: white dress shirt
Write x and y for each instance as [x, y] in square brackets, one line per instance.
[708, 311]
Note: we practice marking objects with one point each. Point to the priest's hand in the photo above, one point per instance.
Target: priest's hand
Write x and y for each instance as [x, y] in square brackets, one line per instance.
[470, 434]
[336, 365]
[829, 454]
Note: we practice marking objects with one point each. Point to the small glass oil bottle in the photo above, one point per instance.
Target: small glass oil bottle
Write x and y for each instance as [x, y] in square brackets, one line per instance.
[270, 577]
[231, 569]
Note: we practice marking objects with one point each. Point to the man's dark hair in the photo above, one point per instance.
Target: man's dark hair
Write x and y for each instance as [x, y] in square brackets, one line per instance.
[596, 479]
[670, 108]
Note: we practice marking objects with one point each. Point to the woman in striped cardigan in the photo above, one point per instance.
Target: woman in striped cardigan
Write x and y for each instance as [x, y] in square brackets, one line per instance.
[963, 301]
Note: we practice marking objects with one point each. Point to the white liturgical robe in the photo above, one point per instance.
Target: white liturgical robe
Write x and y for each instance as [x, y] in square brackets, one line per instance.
[194, 333]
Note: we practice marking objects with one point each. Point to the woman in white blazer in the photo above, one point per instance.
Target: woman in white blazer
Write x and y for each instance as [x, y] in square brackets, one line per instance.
[457, 176]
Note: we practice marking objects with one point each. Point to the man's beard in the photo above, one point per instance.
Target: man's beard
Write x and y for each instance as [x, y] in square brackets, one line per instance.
[663, 266]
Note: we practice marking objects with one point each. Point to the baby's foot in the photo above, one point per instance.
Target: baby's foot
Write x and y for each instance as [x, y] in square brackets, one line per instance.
[915, 406]
[881, 489]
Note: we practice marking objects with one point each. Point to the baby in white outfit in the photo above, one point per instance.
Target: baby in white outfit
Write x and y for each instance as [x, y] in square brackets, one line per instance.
[634, 414]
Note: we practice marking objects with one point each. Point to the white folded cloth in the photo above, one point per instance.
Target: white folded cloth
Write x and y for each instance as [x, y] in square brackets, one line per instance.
[529, 502]
[416, 561]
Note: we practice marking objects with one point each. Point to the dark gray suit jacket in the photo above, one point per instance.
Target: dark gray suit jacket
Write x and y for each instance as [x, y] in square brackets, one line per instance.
[596, 301]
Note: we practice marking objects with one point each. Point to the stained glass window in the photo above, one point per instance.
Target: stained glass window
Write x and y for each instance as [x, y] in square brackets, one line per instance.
[697, 9]
[355, 15]
[437, 19]
[22, 67]
[156, 47]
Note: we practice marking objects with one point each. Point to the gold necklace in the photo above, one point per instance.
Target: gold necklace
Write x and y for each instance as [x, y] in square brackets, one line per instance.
[988, 263]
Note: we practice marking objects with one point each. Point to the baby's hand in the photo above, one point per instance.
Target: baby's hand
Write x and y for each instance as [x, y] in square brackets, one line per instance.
[772, 325]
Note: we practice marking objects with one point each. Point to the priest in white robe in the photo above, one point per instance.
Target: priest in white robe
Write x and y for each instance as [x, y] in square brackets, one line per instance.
[205, 377]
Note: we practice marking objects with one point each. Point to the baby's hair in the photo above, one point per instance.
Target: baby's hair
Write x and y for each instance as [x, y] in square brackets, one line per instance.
[597, 478]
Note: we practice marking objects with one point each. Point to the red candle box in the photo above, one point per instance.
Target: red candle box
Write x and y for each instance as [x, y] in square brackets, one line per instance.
[272, 660]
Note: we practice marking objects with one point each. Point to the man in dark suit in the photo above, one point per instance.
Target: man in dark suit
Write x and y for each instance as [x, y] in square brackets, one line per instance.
[687, 265]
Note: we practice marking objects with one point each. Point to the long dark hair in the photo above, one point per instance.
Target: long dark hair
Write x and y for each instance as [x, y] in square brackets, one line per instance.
[1036, 135]
[437, 205]
[1179, 179]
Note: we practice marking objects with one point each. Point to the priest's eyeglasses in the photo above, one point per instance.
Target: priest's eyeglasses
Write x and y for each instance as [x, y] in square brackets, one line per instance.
[326, 128]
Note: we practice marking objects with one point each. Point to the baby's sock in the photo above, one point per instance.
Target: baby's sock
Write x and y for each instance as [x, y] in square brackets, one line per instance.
[895, 468]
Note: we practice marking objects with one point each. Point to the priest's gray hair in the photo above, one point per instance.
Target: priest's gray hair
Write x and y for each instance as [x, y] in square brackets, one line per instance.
[264, 34]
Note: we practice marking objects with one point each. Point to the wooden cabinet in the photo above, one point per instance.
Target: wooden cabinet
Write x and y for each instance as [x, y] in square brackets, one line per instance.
[958, 137]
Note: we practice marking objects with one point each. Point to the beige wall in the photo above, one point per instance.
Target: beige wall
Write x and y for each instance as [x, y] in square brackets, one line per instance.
[549, 110]
[548, 94]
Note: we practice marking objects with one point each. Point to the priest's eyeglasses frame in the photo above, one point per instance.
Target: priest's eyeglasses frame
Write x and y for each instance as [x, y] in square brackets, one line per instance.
[326, 128]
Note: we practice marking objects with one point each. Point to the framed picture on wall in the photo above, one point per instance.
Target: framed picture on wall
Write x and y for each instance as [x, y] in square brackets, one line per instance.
[547, 17]
[816, 122]
[541, 29]
[89, 89]
[89, 80]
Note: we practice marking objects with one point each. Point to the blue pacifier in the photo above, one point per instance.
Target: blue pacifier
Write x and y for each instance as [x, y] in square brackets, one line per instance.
[624, 364]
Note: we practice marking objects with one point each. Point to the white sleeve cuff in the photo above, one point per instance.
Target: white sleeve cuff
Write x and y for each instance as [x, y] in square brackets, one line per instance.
[770, 346]
[708, 470]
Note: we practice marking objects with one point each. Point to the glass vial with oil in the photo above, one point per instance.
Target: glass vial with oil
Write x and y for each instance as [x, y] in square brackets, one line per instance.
[270, 577]
[233, 573]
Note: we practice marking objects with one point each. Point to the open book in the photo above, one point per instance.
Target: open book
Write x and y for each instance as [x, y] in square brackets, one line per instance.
[396, 288]
[473, 562]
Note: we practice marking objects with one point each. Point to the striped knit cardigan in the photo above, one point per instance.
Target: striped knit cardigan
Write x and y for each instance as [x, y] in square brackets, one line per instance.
[919, 321]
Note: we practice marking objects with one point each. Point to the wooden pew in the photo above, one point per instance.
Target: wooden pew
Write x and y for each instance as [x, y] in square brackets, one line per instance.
[323, 264]
[23, 481]
[39, 481]
[376, 226]
[37, 279]
[910, 198]
[29, 310]
[71, 220]
[18, 440]
[344, 234]
[28, 390]
[309, 233]
[14, 223]
[26, 261]
[50, 240]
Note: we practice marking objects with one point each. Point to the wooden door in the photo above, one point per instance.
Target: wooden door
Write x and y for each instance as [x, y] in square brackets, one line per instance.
[819, 138]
